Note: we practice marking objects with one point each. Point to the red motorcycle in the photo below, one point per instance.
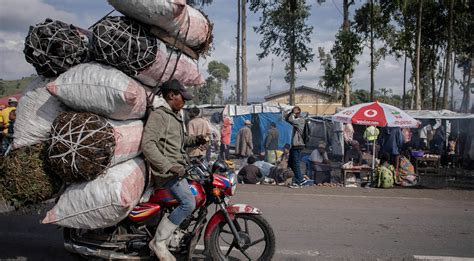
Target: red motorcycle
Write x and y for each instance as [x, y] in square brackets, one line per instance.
[233, 232]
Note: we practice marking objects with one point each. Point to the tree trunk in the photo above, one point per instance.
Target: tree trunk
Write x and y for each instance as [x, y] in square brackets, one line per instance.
[433, 88]
[292, 58]
[237, 56]
[418, 51]
[244, 52]
[447, 73]
[452, 81]
[345, 27]
[434, 51]
[372, 85]
[292, 80]
[404, 81]
[467, 78]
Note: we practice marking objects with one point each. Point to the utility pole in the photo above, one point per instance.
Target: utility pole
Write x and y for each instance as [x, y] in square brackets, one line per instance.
[269, 89]
[345, 27]
[237, 57]
[372, 84]
[244, 52]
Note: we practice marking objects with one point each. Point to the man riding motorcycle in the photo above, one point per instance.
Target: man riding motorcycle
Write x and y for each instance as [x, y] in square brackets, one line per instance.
[163, 145]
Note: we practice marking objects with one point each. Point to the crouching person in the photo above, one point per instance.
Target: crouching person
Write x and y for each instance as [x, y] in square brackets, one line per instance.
[163, 145]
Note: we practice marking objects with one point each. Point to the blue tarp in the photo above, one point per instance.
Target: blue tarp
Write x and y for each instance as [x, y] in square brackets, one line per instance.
[261, 124]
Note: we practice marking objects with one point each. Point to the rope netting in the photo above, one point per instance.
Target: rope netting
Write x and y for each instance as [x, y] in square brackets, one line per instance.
[82, 146]
[53, 47]
[124, 44]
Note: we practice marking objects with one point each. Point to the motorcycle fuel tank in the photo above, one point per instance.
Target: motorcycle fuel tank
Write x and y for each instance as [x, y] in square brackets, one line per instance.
[165, 198]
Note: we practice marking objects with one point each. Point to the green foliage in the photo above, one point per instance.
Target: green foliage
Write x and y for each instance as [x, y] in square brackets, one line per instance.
[14, 86]
[359, 96]
[196, 3]
[382, 30]
[285, 32]
[344, 52]
[218, 74]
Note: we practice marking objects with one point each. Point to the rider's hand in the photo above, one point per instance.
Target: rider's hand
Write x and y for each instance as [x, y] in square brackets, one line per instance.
[201, 140]
[178, 170]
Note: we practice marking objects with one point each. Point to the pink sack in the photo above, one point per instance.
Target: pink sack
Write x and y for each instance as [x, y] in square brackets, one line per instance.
[186, 72]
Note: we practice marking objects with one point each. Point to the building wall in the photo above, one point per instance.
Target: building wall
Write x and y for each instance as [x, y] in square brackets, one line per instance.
[310, 102]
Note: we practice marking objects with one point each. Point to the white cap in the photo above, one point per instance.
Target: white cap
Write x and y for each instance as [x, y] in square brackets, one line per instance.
[247, 122]
[12, 99]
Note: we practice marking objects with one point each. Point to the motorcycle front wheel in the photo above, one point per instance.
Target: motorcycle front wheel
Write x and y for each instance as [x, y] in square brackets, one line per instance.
[253, 229]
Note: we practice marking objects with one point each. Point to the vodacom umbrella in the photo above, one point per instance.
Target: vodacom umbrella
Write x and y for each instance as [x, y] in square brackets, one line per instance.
[376, 114]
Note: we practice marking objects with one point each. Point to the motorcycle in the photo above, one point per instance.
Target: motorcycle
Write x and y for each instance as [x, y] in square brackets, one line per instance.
[233, 232]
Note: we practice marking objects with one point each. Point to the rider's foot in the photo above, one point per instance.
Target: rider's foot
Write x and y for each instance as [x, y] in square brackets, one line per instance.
[158, 244]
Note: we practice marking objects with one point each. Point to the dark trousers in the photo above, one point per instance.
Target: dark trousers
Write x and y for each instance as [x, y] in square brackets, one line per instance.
[294, 164]
[224, 152]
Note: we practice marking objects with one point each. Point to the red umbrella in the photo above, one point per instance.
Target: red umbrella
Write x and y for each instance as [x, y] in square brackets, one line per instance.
[376, 114]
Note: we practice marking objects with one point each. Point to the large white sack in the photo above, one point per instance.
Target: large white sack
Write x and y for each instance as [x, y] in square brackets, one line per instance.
[102, 202]
[173, 16]
[102, 90]
[187, 71]
[35, 113]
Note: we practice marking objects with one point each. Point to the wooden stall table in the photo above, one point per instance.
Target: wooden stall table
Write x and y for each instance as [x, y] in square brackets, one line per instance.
[427, 166]
[355, 169]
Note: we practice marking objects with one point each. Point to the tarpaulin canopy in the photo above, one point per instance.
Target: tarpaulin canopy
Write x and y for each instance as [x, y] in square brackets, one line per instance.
[260, 125]
[441, 114]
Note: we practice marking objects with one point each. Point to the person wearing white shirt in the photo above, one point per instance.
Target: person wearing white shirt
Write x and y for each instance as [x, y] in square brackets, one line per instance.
[321, 163]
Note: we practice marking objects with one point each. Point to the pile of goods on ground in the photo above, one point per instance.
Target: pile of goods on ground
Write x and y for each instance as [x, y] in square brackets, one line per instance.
[79, 124]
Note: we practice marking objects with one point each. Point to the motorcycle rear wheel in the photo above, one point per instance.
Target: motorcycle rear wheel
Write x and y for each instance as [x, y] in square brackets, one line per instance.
[256, 232]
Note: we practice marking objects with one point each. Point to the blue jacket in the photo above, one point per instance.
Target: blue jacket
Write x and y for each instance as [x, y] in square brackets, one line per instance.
[391, 140]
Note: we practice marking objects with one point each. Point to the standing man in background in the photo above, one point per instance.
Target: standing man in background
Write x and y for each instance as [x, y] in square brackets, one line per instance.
[297, 144]
[271, 144]
[198, 126]
[244, 142]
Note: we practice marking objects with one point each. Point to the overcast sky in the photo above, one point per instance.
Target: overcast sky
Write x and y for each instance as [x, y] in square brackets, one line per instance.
[17, 15]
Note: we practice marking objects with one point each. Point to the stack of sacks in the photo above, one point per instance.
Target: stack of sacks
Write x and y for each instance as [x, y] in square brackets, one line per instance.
[130, 47]
[180, 20]
[89, 116]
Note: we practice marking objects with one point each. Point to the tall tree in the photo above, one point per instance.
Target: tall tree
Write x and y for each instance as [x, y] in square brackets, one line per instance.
[218, 75]
[448, 55]
[464, 47]
[285, 34]
[377, 28]
[418, 53]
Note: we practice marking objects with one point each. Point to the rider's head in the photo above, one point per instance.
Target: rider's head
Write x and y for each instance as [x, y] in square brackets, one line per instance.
[175, 94]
